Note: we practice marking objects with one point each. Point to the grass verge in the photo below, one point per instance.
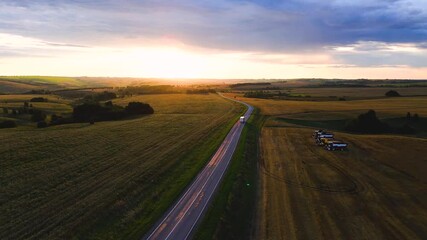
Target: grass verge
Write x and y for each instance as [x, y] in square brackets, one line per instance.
[231, 214]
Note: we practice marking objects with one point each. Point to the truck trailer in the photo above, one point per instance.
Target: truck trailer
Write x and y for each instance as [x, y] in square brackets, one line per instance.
[336, 145]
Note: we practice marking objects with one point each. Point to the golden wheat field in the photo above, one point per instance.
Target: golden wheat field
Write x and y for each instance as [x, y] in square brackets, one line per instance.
[375, 190]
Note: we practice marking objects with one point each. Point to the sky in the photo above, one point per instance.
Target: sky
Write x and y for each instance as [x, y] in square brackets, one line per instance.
[215, 39]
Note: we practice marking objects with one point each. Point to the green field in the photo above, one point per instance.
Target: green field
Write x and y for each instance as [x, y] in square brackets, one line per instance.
[112, 179]
[54, 105]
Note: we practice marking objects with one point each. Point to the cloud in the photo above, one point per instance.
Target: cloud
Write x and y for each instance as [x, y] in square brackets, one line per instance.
[361, 33]
[305, 25]
[379, 54]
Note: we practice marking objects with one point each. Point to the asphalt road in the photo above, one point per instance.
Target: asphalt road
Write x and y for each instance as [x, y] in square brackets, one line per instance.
[180, 220]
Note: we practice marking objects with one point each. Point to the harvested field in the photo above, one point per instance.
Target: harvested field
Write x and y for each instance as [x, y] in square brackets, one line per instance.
[376, 190]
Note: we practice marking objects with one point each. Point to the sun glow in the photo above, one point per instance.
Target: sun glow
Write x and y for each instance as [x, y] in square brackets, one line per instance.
[32, 56]
[167, 62]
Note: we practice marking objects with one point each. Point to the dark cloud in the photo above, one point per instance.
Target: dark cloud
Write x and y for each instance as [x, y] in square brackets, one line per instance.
[291, 26]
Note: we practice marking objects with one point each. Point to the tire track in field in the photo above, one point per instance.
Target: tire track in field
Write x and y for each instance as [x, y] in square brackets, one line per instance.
[354, 188]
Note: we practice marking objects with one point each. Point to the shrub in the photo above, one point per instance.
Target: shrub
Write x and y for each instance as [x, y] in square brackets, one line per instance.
[38, 99]
[102, 96]
[91, 112]
[200, 91]
[392, 93]
[405, 129]
[139, 108]
[108, 104]
[259, 94]
[56, 120]
[8, 124]
[41, 124]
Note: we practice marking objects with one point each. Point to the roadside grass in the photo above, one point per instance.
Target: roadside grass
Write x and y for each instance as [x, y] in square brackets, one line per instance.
[111, 180]
[231, 214]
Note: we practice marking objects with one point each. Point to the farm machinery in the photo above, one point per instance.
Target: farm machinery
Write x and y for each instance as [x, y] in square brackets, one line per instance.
[328, 141]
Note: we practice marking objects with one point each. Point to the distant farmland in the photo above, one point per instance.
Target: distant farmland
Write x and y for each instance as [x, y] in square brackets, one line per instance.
[386, 107]
[111, 179]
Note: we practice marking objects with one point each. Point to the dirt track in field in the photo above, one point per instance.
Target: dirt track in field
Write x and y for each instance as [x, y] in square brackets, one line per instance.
[376, 190]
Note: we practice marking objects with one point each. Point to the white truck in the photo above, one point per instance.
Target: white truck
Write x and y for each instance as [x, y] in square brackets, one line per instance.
[242, 119]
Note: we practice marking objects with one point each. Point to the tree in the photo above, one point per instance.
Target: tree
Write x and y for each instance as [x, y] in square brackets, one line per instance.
[87, 111]
[139, 108]
[26, 105]
[416, 118]
[408, 116]
[392, 93]
[5, 111]
[367, 123]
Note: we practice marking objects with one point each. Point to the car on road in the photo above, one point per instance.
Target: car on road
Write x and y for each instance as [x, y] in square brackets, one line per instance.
[242, 119]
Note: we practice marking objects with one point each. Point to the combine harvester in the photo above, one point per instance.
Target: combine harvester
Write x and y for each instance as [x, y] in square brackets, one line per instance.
[327, 140]
[322, 137]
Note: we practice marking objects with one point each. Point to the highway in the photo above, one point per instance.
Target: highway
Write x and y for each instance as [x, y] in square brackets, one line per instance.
[180, 220]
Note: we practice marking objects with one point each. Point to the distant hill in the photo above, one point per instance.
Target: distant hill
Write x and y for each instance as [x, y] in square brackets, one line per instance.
[20, 84]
